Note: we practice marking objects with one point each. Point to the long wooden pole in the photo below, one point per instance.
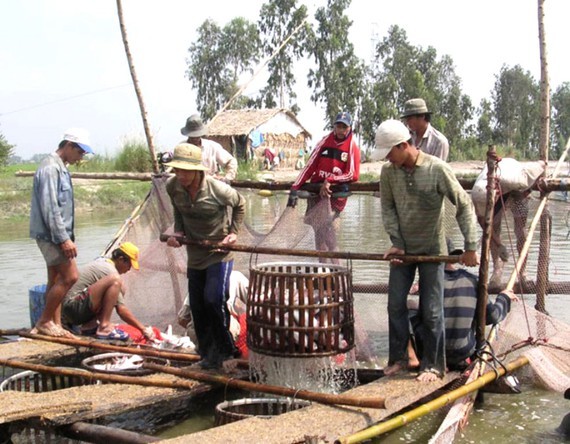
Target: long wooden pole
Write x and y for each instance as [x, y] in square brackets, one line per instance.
[98, 376]
[483, 282]
[308, 253]
[323, 398]
[431, 406]
[76, 342]
[138, 92]
[242, 89]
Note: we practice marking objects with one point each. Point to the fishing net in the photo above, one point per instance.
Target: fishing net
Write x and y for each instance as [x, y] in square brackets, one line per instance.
[156, 292]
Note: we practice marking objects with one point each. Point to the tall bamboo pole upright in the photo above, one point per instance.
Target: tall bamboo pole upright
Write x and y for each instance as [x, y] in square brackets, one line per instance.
[138, 92]
[483, 283]
[545, 221]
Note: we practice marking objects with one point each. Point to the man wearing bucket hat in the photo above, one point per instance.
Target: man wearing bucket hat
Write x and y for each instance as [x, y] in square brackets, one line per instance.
[90, 302]
[201, 207]
[214, 156]
[52, 225]
[413, 186]
[333, 163]
[425, 137]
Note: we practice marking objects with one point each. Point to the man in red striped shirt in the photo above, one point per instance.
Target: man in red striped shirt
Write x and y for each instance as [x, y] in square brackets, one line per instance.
[333, 163]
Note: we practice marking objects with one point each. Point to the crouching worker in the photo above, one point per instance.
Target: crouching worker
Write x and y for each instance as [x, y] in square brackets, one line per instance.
[459, 305]
[90, 302]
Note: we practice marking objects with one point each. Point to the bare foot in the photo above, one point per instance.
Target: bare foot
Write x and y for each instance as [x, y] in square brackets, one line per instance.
[395, 369]
[51, 329]
[427, 376]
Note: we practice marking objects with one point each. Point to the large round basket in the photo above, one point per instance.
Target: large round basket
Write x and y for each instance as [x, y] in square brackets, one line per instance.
[264, 408]
[30, 381]
[300, 310]
[34, 382]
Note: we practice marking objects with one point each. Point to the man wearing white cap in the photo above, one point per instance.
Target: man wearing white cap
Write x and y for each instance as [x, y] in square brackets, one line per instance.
[52, 225]
[413, 186]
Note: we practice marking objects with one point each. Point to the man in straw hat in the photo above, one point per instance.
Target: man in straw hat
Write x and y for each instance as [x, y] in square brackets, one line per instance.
[425, 137]
[413, 186]
[214, 156]
[99, 289]
[201, 206]
[52, 225]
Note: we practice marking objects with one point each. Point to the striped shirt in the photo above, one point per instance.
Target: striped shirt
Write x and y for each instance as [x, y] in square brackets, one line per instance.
[460, 302]
[412, 206]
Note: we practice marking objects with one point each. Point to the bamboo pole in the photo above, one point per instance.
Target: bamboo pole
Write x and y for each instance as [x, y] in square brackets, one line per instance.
[242, 89]
[431, 406]
[308, 253]
[138, 92]
[483, 281]
[549, 185]
[76, 342]
[98, 376]
[546, 220]
[323, 398]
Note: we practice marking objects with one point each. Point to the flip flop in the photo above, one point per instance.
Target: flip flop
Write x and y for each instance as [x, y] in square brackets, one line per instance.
[115, 335]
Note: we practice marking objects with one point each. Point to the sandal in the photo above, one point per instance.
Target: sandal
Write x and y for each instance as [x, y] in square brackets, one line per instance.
[115, 335]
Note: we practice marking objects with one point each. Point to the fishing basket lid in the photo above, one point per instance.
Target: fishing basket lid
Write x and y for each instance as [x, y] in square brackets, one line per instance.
[300, 309]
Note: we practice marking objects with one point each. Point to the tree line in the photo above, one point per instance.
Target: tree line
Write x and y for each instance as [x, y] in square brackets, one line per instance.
[339, 80]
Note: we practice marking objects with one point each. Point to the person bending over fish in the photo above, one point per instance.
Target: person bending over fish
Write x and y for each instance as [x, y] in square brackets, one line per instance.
[90, 302]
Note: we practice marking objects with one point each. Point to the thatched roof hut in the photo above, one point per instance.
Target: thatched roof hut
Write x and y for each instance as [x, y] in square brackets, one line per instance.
[247, 133]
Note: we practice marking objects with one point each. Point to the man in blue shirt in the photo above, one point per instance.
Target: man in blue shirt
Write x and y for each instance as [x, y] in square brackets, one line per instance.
[52, 225]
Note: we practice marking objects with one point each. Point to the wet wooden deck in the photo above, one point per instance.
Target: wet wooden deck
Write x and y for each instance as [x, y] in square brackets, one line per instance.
[81, 403]
[320, 422]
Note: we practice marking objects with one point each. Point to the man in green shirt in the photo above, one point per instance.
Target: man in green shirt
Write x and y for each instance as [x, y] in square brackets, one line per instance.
[413, 186]
[202, 207]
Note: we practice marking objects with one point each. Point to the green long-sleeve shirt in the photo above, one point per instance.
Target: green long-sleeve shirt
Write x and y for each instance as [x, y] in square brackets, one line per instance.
[413, 206]
[217, 211]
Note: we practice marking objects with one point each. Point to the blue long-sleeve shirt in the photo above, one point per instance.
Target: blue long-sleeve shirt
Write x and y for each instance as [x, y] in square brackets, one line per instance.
[52, 210]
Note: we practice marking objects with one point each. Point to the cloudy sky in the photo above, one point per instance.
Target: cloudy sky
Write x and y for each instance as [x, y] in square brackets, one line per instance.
[62, 62]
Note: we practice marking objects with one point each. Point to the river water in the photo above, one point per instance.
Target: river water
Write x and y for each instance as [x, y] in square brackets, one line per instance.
[530, 417]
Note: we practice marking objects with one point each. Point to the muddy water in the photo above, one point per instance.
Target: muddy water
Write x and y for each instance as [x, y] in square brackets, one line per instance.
[530, 417]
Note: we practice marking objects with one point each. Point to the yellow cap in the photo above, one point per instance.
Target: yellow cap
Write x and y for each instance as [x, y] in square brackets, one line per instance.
[132, 251]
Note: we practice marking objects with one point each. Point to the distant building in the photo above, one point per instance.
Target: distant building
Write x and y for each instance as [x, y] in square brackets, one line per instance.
[247, 133]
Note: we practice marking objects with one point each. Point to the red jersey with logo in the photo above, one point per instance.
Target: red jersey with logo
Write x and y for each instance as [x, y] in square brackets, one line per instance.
[334, 161]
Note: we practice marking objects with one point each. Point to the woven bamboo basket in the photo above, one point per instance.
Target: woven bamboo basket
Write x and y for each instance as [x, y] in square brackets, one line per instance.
[264, 408]
[30, 381]
[34, 382]
[300, 310]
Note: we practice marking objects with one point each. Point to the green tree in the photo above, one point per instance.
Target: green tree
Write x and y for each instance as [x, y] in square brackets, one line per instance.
[560, 118]
[338, 79]
[5, 150]
[216, 61]
[484, 123]
[279, 19]
[516, 109]
[402, 71]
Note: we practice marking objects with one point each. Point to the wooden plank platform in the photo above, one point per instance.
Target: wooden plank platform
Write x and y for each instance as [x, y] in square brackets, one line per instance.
[323, 423]
[81, 403]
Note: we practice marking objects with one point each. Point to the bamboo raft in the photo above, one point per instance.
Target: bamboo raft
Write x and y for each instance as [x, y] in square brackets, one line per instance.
[123, 394]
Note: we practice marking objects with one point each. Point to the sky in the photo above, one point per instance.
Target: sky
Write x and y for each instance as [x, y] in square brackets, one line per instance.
[63, 64]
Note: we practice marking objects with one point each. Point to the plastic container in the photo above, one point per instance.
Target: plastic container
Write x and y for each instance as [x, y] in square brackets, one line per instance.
[37, 298]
